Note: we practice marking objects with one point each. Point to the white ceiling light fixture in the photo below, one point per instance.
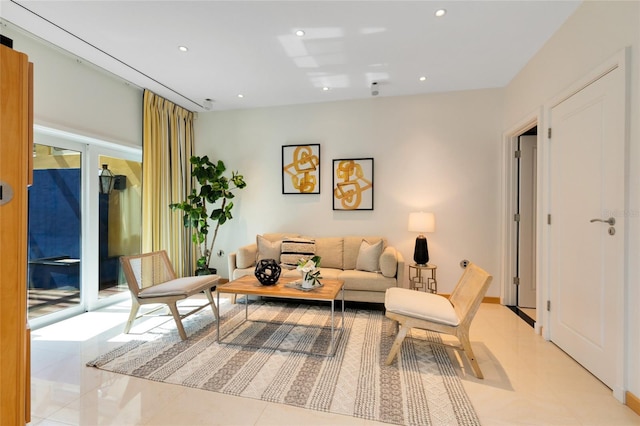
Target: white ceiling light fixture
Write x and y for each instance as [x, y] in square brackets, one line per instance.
[300, 33]
[325, 89]
[422, 78]
[440, 13]
[183, 48]
[240, 95]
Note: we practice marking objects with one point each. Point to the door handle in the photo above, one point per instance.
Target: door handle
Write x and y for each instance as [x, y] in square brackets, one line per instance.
[611, 221]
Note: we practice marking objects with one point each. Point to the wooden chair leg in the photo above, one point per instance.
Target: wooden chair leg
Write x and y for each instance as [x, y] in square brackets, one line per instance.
[135, 307]
[176, 316]
[214, 307]
[466, 345]
[394, 328]
[397, 343]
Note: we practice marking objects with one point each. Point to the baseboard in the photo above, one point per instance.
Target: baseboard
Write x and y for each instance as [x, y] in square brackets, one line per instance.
[632, 402]
[492, 299]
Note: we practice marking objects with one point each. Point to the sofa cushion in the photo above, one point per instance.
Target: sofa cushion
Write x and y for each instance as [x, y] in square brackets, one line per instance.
[366, 281]
[294, 249]
[330, 250]
[389, 262]
[352, 248]
[268, 249]
[325, 273]
[369, 256]
[246, 256]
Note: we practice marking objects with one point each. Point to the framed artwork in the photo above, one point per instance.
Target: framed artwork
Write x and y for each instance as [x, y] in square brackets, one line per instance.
[353, 184]
[301, 169]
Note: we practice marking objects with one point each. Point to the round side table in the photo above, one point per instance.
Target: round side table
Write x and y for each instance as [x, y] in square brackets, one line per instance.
[423, 277]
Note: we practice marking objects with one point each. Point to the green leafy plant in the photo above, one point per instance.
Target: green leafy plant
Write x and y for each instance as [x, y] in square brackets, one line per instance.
[213, 186]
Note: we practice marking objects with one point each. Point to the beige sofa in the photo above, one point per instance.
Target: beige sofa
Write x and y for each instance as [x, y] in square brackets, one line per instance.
[367, 265]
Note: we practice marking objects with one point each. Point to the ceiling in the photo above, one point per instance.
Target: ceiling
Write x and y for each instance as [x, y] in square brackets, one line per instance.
[250, 48]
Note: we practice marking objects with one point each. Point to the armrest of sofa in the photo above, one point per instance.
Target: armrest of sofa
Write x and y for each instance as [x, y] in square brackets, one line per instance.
[244, 257]
[392, 264]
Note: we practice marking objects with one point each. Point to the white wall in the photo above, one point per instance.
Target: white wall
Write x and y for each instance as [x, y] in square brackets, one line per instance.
[435, 153]
[76, 96]
[596, 31]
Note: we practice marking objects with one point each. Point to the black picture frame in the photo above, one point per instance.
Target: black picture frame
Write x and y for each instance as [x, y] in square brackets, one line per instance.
[352, 184]
[301, 169]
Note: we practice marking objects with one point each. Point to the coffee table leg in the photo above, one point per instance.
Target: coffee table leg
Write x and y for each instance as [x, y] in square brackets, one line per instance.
[218, 302]
[342, 324]
[333, 337]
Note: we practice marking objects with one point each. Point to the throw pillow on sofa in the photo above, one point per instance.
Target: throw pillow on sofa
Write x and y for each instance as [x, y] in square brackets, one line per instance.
[268, 249]
[294, 249]
[369, 256]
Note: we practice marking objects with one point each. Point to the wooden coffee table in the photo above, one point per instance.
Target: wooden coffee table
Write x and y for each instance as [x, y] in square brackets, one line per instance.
[285, 289]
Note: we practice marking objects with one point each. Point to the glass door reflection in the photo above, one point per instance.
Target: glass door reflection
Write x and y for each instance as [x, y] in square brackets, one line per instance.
[120, 216]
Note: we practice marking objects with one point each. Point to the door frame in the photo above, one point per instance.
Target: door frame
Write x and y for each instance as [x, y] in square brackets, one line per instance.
[619, 60]
[508, 291]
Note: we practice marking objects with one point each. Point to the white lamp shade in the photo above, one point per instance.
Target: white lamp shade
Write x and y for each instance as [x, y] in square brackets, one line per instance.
[422, 222]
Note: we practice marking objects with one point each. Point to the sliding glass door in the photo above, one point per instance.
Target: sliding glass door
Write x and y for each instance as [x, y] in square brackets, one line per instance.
[77, 232]
[55, 229]
[120, 215]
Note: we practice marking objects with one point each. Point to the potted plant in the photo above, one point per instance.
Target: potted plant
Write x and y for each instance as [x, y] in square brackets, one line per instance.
[214, 186]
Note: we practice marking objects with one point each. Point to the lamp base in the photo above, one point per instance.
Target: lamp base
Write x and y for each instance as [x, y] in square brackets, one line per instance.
[421, 251]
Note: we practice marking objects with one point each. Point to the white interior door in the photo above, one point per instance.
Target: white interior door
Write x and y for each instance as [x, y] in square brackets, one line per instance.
[586, 154]
[527, 223]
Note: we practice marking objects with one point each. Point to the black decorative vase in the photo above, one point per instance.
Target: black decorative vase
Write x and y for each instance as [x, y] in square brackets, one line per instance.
[421, 251]
[267, 271]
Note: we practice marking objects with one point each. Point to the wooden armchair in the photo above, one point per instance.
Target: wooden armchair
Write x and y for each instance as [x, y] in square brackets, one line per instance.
[433, 312]
[151, 279]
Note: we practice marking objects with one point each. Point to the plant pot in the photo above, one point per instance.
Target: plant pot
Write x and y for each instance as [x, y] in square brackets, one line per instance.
[206, 271]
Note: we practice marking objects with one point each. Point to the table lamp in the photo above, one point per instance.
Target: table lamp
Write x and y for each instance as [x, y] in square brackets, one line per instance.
[421, 222]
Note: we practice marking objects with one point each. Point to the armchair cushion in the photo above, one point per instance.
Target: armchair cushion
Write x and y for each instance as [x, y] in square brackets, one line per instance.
[416, 304]
[180, 286]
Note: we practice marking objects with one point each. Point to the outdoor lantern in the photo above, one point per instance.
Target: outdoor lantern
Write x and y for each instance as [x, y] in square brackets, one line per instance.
[106, 180]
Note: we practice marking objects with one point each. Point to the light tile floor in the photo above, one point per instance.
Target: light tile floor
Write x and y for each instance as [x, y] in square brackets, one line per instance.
[528, 381]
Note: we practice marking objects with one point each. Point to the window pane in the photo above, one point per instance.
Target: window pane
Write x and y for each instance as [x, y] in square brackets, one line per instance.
[54, 230]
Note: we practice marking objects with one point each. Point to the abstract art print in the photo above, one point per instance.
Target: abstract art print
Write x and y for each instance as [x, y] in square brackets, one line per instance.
[353, 184]
[301, 169]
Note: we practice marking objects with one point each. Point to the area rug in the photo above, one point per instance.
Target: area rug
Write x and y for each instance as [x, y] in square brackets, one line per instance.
[419, 388]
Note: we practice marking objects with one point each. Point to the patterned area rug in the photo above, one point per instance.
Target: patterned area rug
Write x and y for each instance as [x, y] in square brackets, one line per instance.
[419, 388]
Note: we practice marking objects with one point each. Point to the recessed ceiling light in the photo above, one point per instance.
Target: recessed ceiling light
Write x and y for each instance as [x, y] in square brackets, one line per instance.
[325, 88]
[440, 13]
[183, 48]
[240, 95]
[422, 78]
[299, 33]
